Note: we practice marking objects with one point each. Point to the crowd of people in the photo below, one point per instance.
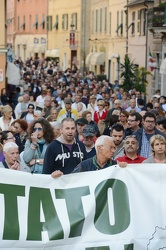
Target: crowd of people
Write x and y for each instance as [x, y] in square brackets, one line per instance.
[57, 122]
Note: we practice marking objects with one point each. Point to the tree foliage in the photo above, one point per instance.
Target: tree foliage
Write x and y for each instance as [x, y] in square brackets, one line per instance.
[141, 79]
[132, 75]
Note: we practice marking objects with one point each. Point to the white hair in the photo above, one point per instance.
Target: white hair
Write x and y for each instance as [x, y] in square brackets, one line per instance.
[101, 140]
[9, 145]
[38, 113]
[56, 125]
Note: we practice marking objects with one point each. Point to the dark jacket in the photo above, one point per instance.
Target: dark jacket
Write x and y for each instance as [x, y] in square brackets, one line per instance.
[91, 165]
[59, 157]
[139, 133]
[20, 143]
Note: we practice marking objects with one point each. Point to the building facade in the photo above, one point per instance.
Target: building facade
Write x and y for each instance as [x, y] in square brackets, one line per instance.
[3, 43]
[157, 27]
[68, 32]
[30, 28]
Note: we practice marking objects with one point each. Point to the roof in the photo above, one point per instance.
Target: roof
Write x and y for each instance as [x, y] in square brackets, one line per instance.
[138, 2]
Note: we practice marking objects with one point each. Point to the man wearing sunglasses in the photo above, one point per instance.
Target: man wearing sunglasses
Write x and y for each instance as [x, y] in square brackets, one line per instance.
[130, 148]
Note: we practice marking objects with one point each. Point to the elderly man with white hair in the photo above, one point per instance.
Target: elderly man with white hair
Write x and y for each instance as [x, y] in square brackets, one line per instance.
[11, 154]
[105, 149]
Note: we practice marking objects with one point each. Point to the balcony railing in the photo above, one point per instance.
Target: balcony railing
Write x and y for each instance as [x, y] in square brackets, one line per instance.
[156, 17]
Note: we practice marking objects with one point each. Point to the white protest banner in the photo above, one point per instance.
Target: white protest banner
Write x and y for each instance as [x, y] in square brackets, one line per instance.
[110, 209]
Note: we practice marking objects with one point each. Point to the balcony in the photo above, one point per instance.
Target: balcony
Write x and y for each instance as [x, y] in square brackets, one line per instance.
[157, 17]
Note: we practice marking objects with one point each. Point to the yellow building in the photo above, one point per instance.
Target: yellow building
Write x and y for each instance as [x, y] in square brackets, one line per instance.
[68, 25]
[108, 37]
[3, 43]
[97, 58]
[117, 37]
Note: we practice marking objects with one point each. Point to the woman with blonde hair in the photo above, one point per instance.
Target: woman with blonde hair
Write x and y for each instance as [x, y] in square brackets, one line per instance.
[6, 119]
[158, 145]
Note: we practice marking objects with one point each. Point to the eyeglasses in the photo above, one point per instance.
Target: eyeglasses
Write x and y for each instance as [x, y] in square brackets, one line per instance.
[99, 104]
[39, 129]
[131, 120]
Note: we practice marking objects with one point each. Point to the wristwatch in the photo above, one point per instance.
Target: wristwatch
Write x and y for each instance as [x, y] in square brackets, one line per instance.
[37, 161]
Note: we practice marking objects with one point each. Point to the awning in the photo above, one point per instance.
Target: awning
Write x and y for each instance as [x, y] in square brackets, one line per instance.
[88, 58]
[163, 67]
[98, 58]
[48, 53]
[52, 53]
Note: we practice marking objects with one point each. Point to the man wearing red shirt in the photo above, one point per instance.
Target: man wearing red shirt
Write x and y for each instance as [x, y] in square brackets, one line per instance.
[130, 148]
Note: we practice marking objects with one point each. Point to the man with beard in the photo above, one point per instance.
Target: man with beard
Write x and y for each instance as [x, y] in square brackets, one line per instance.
[117, 133]
[144, 134]
[130, 148]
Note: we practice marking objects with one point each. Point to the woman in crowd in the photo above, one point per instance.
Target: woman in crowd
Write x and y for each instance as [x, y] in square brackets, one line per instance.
[88, 116]
[123, 118]
[21, 135]
[125, 101]
[40, 135]
[92, 103]
[101, 113]
[107, 105]
[32, 99]
[28, 116]
[162, 102]
[158, 145]
[6, 136]
[113, 120]
[6, 119]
